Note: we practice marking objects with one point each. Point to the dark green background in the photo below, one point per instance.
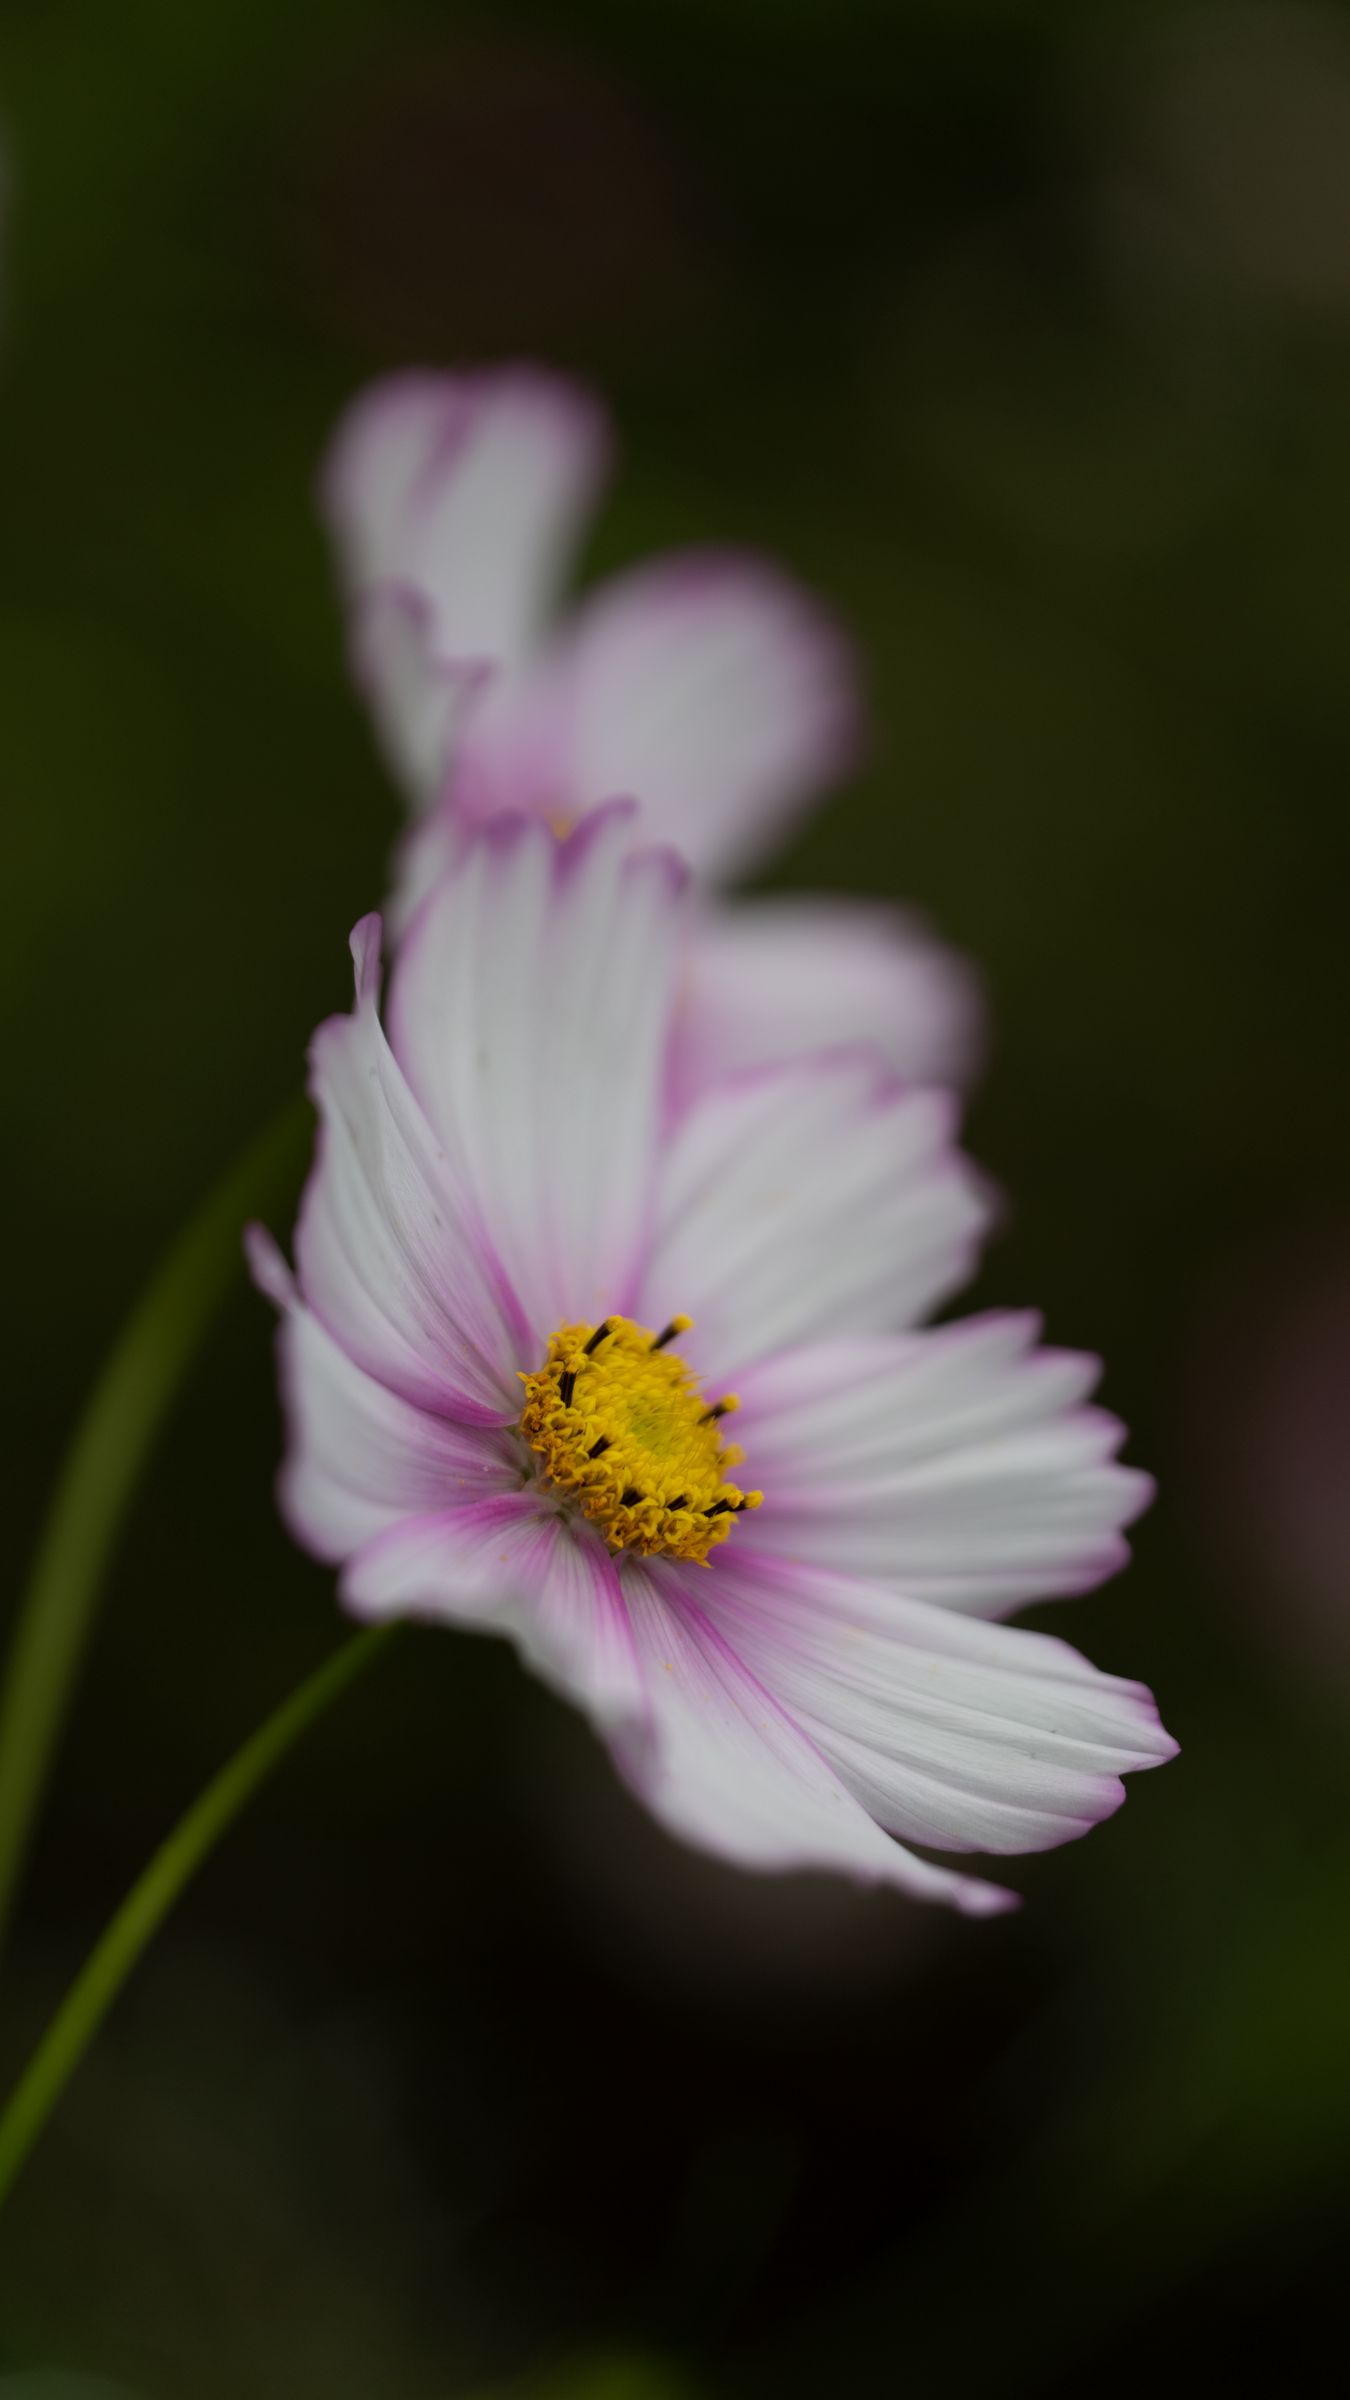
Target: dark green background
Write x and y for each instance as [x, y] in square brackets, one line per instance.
[1024, 332]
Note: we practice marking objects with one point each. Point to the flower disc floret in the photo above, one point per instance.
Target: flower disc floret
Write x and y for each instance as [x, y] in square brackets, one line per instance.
[623, 1430]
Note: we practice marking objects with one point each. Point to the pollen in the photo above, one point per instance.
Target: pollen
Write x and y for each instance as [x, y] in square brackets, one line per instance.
[625, 1435]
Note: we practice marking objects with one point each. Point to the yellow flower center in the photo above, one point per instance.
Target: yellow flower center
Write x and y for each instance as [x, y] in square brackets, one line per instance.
[625, 1433]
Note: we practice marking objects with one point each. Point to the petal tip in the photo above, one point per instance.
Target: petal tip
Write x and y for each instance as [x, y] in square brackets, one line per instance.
[267, 1266]
[366, 943]
[974, 1899]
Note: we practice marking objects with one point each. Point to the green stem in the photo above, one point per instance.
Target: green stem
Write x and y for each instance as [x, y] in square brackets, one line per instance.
[153, 1895]
[120, 1421]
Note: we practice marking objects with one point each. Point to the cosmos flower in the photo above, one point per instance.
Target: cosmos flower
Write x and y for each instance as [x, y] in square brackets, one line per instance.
[706, 685]
[529, 1306]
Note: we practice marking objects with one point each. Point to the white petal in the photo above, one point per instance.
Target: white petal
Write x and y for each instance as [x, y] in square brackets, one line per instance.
[511, 1565]
[473, 489]
[806, 1200]
[728, 1770]
[951, 1732]
[529, 1008]
[455, 503]
[385, 1247]
[359, 1458]
[430, 846]
[386, 444]
[709, 687]
[772, 980]
[419, 700]
[958, 1466]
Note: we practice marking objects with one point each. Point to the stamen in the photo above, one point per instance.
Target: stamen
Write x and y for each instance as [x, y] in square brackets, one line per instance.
[623, 1436]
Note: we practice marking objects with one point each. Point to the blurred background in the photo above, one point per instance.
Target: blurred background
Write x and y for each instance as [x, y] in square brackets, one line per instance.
[1023, 332]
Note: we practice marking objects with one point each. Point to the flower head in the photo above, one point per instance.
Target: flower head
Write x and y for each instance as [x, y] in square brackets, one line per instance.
[526, 1301]
[707, 685]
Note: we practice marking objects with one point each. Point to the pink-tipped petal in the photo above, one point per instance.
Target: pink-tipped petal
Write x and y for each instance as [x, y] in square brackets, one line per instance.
[510, 1565]
[467, 494]
[430, 846]
[388, 1256]
[963, 1735]
[473, 488]
[529, 1009]
[958, 1466]
[359, 1458]
[710, 686]
[807, 1200]
[386, 443]
[771, 980]
[729, 1770]
[419, 700]
[268, 1268]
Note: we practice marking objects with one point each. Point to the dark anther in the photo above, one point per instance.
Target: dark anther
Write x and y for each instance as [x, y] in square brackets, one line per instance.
[718, 1409]
[598, 1337]
[567, 1384]
[630, 1498]
[668, 1336]
[721, 1508]
[597, 1447]
[681, 1502]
